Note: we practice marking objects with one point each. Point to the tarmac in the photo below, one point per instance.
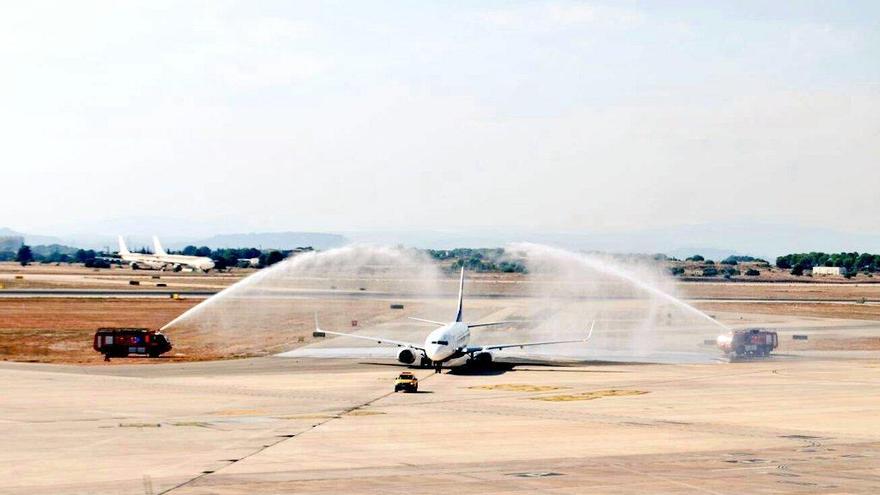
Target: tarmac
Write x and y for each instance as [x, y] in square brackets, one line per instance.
[796, 423]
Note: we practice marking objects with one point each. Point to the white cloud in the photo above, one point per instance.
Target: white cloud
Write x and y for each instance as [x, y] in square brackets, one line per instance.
[553, 16]
[403, 118]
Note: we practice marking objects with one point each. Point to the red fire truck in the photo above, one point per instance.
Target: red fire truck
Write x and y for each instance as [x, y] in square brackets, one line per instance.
[750, 342]
[121, 342]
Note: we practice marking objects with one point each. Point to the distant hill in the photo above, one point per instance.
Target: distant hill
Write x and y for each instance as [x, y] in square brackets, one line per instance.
[712, 240]
[30, 239]
[46, 250]
[11, 240]
[272, 240]
[716, 240]
[10, 243]
[267, 240]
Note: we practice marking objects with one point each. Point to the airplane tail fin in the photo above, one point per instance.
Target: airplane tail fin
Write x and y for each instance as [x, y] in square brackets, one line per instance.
[122, 248]
[460, 295]
[157, 247]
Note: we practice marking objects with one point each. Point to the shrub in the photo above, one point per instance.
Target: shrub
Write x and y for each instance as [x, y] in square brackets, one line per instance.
[710, 271]
[752, 272]
[96, 263]
[24, 255]
[270, 258]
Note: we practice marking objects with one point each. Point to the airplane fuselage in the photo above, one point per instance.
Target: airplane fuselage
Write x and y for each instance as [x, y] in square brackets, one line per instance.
[449, 342]
[445, 342]
[158, 262]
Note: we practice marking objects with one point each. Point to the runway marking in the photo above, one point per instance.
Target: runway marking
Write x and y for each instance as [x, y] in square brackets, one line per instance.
[695, 488]
[365, 413]
[200, 424]
[598, 394]
[239, 412]
[514, 387]
[309, 416]
[746, 468]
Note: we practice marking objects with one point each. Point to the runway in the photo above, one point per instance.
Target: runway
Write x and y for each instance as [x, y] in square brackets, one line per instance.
[329, 294]
[271, 425]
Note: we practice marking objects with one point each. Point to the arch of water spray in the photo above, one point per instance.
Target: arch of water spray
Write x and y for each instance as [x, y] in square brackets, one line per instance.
[609, 267]
[260, 306]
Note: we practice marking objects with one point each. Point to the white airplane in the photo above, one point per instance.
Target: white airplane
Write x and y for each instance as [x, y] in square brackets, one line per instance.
[161, 260]
[449, 342]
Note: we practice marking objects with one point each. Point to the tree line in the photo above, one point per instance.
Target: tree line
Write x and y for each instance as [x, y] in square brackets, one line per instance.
[223, 258]
[853, 262]
[479, 260]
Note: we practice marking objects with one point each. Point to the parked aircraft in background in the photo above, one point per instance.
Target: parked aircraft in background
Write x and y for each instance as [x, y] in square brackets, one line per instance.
[449, 342]
[161, 260]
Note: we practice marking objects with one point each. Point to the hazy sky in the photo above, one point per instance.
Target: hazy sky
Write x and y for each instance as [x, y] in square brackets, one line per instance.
[559, 115]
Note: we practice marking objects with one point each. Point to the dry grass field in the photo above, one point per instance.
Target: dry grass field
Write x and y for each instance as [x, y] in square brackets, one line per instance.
[59, 329]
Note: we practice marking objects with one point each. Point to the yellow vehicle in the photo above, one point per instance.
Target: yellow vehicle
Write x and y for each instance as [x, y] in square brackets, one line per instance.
[406, 382]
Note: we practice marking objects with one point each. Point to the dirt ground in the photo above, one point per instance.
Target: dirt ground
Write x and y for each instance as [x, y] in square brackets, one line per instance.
[849, 311]
[60, 329]
[782, 290]
[15, 276]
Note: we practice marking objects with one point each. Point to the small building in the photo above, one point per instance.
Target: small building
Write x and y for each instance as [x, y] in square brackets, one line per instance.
[829, 270]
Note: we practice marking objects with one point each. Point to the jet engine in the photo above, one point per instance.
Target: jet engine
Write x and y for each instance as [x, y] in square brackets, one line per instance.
[406, 356]
[481, 360]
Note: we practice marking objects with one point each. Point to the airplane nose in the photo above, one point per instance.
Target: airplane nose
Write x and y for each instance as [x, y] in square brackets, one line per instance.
[436, 352]
[431, 352]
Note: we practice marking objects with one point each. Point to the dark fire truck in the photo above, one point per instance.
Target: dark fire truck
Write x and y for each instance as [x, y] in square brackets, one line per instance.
[750, 342]
[121, 342]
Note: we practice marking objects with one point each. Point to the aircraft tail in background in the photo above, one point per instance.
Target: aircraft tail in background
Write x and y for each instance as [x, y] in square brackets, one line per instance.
[157, 247]
[123, 249]
[460, 295]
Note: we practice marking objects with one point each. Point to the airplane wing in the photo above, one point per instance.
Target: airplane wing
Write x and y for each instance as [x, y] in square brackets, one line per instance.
[379, 340]
[426, 321]
[498, 347]
[475, 325]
